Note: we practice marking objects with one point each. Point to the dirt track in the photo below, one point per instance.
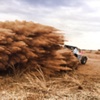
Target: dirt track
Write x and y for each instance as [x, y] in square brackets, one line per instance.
[89, 77]
[92, 67]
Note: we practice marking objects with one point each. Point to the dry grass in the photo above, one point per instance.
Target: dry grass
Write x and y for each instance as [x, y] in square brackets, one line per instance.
[27, 45]
[32, 87]
[97, 52]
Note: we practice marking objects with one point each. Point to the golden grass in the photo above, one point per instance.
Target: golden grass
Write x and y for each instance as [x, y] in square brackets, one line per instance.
[33, 87]
[27, 45]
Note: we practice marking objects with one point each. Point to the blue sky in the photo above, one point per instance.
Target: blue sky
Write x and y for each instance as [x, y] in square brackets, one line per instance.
[79, 20]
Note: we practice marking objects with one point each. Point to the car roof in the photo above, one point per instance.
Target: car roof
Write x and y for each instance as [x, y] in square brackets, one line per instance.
[70, 47]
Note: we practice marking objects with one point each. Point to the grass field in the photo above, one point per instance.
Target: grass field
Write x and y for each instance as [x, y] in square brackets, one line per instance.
[82, 84]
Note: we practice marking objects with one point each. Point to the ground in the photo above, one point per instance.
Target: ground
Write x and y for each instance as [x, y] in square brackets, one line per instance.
[81, 84]
[93, 65]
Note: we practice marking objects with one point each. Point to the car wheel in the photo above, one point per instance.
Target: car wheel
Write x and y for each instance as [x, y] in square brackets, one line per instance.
[84, 60]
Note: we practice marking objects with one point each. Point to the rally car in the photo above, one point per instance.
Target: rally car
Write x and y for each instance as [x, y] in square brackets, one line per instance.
[82, 58]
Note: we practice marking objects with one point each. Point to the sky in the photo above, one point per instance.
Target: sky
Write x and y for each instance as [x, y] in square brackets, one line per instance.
[78, 20]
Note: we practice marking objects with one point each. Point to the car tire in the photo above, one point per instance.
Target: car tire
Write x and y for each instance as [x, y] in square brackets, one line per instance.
[83, 60]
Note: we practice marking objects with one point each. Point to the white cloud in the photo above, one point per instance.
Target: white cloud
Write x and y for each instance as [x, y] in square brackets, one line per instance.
[93, 4]
[4, 17]
[80, 20]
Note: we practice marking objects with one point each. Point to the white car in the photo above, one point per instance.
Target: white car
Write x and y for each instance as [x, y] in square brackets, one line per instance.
[77, 52]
